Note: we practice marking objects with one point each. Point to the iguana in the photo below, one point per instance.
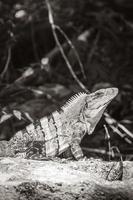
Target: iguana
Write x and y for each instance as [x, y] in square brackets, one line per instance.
[64, 129]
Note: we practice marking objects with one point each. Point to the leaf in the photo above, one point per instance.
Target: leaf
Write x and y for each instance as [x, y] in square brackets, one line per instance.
[5, 117]
[17, 114]
[28, 72]
[28, 117]
[20, 14]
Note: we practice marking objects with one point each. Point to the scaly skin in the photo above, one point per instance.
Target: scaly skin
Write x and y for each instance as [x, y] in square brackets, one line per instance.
[50, 136]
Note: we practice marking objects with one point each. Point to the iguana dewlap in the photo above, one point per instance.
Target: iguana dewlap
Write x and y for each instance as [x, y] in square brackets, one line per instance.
[50, 136]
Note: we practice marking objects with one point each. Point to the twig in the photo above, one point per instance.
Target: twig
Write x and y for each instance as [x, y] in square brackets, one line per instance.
[7, 62]
[33, 41]
[94, 46]
[107, 138]
[102, 151]
[73, 48]
[117, 170]
[51, 21]
[55, 50]
[114, 125]
[118, 152]
[125, 130]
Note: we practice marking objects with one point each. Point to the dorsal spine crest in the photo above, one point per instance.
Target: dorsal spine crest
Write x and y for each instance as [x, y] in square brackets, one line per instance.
[73, 100]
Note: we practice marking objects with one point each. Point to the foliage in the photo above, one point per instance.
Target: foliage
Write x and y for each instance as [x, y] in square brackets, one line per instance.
[102, 34]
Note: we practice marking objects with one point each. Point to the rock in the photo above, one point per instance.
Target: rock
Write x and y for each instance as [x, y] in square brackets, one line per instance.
[62, 179]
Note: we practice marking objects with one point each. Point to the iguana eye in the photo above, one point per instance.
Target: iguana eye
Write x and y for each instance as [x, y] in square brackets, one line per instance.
[98, 93]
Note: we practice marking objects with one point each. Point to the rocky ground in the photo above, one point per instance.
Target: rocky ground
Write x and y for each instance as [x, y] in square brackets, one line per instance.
[62, 179]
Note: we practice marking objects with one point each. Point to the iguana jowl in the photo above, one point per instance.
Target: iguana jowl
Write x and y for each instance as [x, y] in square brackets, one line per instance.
[53, 135]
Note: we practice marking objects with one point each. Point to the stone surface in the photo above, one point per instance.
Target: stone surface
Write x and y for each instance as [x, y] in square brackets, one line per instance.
[62, 179]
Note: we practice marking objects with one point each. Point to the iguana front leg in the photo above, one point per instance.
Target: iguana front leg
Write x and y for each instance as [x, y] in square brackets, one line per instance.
[79, 130]
[76, 150]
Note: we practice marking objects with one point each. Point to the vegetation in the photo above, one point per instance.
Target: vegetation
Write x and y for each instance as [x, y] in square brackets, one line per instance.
[52, 49]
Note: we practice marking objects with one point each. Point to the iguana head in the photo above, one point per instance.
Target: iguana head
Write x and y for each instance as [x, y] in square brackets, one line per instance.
[88, 108]
[95, 104]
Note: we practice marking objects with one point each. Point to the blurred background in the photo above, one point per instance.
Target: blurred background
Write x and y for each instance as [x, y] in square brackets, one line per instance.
[96, 37]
